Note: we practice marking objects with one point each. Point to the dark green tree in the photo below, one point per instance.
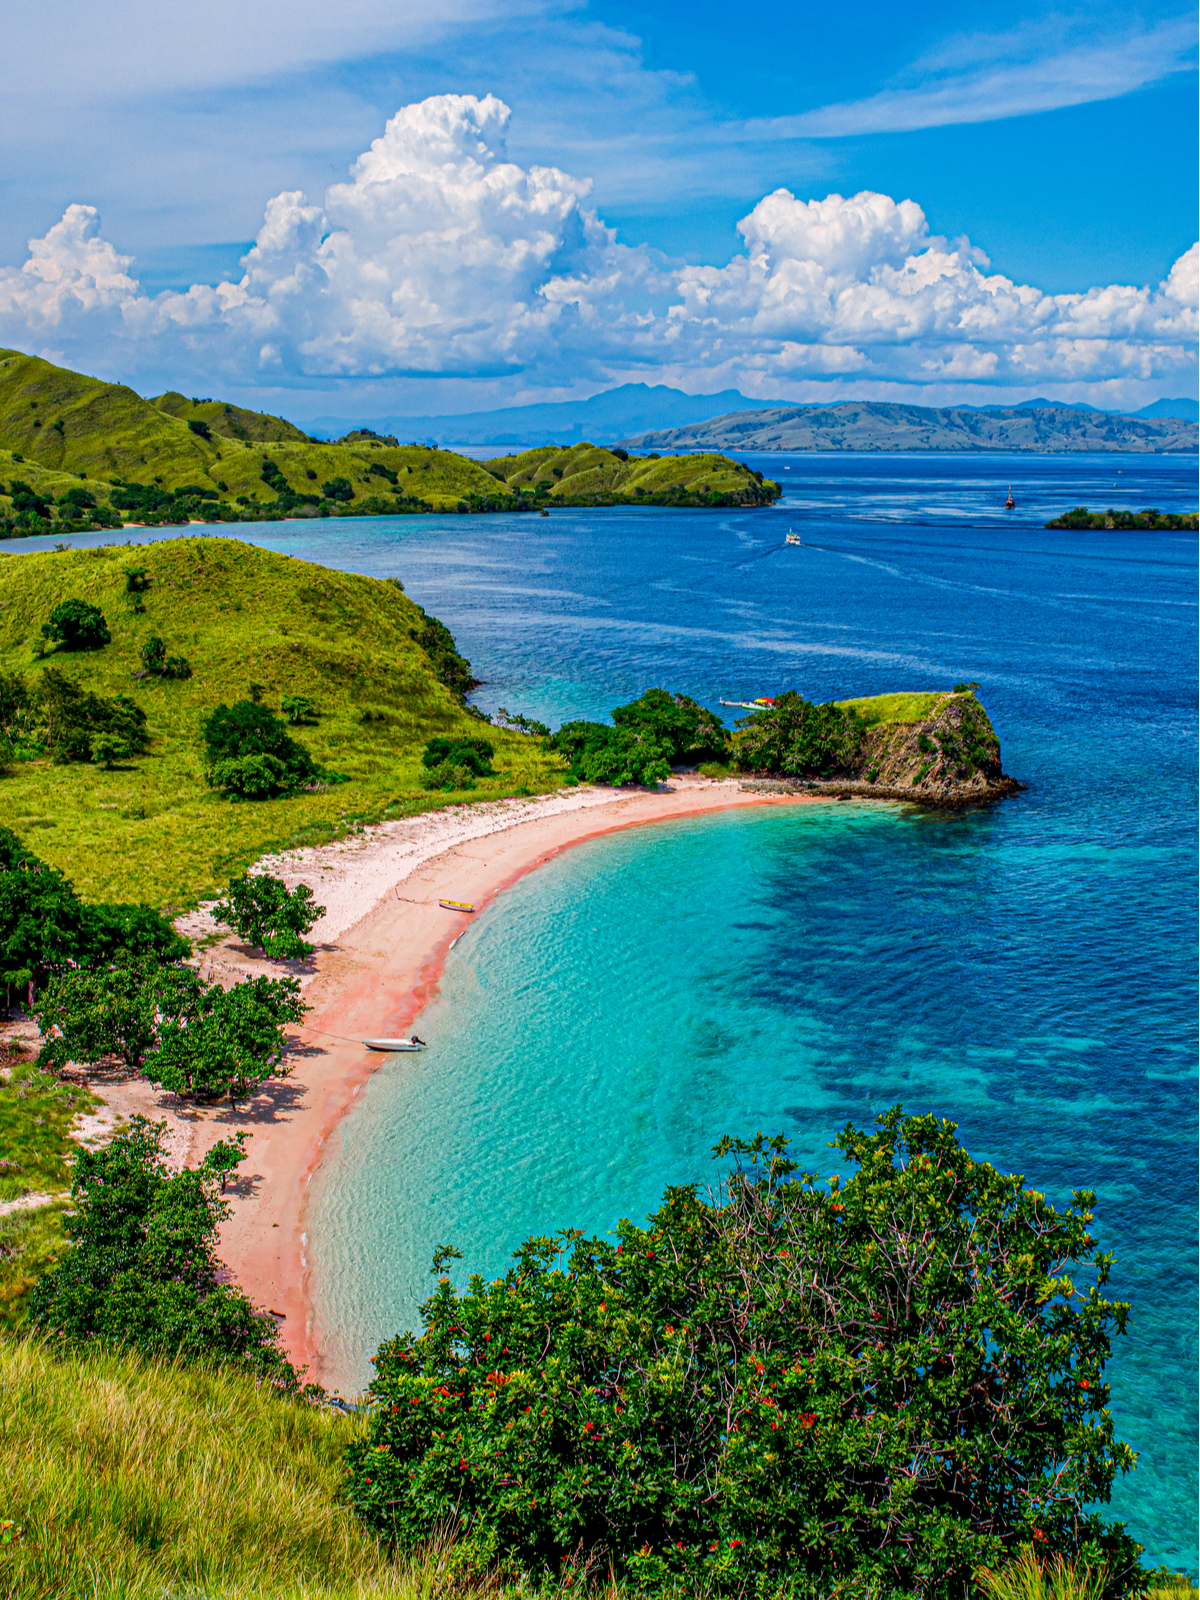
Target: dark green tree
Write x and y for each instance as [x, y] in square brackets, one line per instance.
[77, 625]
[215, 1042]
[249, 752]
[780, 1390]
[89, 1016]
[262, 910]
[797, 739]
[598, 753]
[340, 489]
[691, 732]
[142, 1270]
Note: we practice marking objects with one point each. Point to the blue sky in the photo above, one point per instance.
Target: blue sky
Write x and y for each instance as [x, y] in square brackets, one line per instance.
[1062, 143]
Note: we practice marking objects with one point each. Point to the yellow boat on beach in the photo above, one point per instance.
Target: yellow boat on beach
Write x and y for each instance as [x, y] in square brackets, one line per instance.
[457, 905]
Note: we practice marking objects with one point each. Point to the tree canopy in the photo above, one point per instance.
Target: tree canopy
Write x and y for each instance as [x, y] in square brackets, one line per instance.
[799, 739]
[77, 625]
[249, 752]
[142, 1271]
[877, 1385]
[262, 910]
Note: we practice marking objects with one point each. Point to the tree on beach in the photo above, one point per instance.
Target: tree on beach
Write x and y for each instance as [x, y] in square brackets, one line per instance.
[142, 1272]
[692, 732]
[262, 910]
[88, 1016]
[597, 753]
[784, 1388]
[214, 1042]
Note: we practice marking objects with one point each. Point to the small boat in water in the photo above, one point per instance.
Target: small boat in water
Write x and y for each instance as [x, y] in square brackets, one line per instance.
[792, 538]
[1010, 502]
[391, 1046]
[457, 905]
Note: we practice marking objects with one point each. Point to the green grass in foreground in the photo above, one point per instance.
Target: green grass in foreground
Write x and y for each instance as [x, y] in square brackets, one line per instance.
[130, 1479]
[37, 1112]
[153, 830]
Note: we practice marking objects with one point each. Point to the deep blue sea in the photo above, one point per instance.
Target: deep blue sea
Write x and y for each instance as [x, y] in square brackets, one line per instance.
[1028, 970]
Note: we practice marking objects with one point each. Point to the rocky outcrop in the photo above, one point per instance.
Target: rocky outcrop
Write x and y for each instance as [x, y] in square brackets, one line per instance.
[950, 758]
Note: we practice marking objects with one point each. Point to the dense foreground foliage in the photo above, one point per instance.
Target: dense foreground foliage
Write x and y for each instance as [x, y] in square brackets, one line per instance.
[774, 1392]
[142, 1270]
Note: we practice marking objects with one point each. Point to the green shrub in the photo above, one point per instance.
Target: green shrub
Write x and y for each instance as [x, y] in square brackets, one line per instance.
[447, 775]
[156, 660]
[142, 1271]
[781, 1391]
[76, 625]
[249, 752]
[261, 909]
[473, 754]
[298, 709]
[799, 740]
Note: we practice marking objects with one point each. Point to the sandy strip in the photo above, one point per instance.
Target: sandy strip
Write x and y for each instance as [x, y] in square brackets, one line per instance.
[381, 946]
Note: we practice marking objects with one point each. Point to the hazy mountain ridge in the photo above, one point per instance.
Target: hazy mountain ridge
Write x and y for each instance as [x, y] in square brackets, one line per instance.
[887, 426]
[633, 409]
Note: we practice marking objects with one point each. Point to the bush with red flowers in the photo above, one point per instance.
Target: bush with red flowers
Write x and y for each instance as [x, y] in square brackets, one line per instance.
[882, 1384]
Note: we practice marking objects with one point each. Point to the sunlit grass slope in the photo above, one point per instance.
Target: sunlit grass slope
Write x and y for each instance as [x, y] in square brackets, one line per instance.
[910, 707]
[125, 1478]
[581, 474]
[60, 429]
[153, 830]
[233, 422]
[107, 431]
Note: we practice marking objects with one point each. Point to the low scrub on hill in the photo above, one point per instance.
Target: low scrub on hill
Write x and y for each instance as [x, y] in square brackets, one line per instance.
[361, 677]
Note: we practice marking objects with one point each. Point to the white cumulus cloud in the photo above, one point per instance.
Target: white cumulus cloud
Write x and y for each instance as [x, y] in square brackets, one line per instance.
[440, 257]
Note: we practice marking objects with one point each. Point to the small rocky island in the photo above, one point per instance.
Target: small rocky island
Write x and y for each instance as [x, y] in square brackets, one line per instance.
[935, 749]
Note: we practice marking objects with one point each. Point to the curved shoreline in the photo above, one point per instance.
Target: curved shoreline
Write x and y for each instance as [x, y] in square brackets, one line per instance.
[527, 846]
[378, 963]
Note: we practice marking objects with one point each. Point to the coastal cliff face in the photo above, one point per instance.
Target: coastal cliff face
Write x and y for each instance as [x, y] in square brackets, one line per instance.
[935, 749]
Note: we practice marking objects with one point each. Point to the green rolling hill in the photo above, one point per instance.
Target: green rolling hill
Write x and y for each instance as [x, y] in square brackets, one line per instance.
[374, 665]
[74, 450]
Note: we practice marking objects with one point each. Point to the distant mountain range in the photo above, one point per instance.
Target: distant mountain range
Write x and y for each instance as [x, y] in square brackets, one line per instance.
[634, 409]
[885, 426]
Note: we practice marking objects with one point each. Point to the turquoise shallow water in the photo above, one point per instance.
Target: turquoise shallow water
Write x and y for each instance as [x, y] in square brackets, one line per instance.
[1028, 971]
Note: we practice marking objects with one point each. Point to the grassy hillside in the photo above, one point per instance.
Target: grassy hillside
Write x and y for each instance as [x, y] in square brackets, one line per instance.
[914, 706]
[232, 422]
[586, 474]
[125, 1478]
[202, 459]
[152, 829]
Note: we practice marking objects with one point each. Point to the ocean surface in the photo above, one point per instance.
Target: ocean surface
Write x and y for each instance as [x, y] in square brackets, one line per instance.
[1028, 970]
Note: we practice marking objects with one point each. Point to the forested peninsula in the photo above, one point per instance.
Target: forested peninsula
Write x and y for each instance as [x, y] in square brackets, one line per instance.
[78, 454]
